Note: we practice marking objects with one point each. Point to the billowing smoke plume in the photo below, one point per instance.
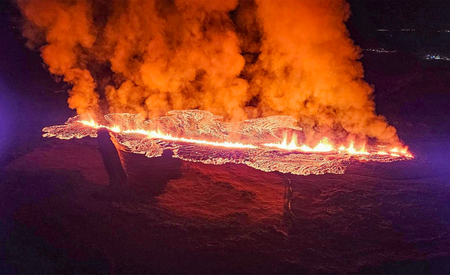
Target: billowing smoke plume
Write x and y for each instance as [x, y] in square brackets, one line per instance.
[307, 66]
[237, 59]
[67, 31]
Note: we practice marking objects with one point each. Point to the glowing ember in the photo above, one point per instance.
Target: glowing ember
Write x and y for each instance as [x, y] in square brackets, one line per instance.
[202, 137]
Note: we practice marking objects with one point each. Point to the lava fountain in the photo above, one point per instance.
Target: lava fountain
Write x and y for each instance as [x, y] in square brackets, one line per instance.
[200, 136]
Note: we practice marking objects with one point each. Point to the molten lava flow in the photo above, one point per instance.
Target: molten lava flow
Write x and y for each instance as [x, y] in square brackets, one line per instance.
[323, 146]
[158, 135]
[201, 137]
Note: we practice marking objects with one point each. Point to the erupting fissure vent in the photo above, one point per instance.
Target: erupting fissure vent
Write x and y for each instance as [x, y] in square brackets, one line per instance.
[200, 136]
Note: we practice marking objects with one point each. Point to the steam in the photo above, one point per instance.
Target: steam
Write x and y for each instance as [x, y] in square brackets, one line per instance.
[238, 59]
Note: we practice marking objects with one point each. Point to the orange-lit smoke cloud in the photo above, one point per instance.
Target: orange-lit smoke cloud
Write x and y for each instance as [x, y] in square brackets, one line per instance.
[181, 55]
[67, 32]
[237, 59]
[308, 67]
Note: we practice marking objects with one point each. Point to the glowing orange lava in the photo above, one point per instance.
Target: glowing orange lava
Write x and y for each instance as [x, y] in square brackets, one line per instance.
[202, 137]
[159, 135]
[324, 145]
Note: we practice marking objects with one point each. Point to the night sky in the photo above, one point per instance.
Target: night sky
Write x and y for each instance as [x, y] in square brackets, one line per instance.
[418, 14]
[428, 18]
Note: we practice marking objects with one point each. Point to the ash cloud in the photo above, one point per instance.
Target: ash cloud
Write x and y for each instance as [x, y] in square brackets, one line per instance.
[238, 59]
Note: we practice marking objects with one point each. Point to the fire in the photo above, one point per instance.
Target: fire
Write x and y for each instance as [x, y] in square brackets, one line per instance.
[351, 150]
[90, 123]
[159, 135]
[202, 137]
[325, 146]
[401, 152]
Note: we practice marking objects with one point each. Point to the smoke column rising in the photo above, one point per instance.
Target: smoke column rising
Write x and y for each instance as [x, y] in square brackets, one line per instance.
[238, 59]
[67, 31]
[308, 67]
